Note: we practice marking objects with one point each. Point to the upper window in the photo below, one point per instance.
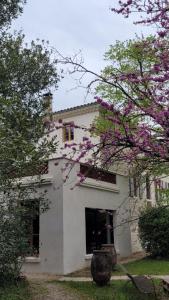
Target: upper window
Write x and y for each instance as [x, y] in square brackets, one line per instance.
[135, 187]
[29, 170]
[160, 188]
[68, 133]
[98, 174]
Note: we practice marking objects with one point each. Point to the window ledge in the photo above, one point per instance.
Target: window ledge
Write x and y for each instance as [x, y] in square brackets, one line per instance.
[88, 256]
[42, 180]
[32, 259]
[100, 185]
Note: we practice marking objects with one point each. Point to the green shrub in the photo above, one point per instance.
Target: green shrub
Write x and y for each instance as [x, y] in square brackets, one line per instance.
[154, 231]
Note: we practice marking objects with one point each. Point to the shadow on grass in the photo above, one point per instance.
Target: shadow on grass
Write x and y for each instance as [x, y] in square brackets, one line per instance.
[21, 291]
[24, 290]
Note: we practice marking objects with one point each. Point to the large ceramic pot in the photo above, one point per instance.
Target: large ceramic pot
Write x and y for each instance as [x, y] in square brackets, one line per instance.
[112, 250]
[101, 267]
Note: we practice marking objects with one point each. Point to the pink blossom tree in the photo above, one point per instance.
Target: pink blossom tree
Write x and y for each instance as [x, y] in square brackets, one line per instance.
[152, 12]
[138, 79]
[133, 94]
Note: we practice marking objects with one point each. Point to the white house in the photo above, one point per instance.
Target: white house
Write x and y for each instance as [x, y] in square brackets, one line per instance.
[83, 217]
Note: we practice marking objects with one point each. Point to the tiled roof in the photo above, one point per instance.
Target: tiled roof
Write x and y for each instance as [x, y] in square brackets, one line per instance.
[88, 105]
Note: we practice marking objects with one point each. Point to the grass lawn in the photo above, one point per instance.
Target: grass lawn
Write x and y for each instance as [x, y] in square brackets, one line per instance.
[117, 290]
[145, 266]
[24, 291]
[20, 292]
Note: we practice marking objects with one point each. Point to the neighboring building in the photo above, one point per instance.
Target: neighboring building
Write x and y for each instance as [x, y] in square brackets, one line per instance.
[83, 217]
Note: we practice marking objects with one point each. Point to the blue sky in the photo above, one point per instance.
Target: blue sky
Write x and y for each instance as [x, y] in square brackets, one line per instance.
[73, 25]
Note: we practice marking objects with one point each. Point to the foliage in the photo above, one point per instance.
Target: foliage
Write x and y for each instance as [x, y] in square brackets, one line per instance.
[10, 9]
[17, 213]
[19, 292]
[136, 85]
[133, 121]
[126, 57]
[26, 73]
[133, 124]
[154, 231]
[150, 12]
[133, 96]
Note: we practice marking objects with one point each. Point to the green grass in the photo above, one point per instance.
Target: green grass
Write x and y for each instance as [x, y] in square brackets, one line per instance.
[23, 291]
[117, 290]
[145, 266]
[20, 292]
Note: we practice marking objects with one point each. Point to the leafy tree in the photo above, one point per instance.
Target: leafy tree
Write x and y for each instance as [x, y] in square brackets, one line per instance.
[150, 12]
[26, 73]
[133, 95]
[153, 231]
[133, 122]
[9, 10]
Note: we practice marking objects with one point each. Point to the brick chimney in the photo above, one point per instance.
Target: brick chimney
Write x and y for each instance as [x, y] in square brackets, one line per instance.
[47, 98]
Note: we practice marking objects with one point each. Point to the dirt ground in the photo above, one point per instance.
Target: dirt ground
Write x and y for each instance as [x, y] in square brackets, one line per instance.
[44, 290]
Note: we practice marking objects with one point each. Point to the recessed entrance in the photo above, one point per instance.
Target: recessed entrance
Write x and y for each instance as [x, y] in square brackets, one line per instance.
[99, 228]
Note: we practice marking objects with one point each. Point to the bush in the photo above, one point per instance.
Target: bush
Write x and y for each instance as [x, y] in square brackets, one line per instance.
[154, 231]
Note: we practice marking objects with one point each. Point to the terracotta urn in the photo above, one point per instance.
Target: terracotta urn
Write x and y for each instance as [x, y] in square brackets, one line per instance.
[101, 267]
[112, 250]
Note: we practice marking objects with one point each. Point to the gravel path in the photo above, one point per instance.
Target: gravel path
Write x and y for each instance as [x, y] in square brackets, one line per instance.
[57, 292]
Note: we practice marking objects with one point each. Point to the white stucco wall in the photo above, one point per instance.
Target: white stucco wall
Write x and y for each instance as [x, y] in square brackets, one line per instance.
[82, 120]
[74, 203]
[50, 258]
[62, 227]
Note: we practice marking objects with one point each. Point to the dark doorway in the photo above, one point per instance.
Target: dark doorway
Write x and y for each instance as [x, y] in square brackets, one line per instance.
[99, 228]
